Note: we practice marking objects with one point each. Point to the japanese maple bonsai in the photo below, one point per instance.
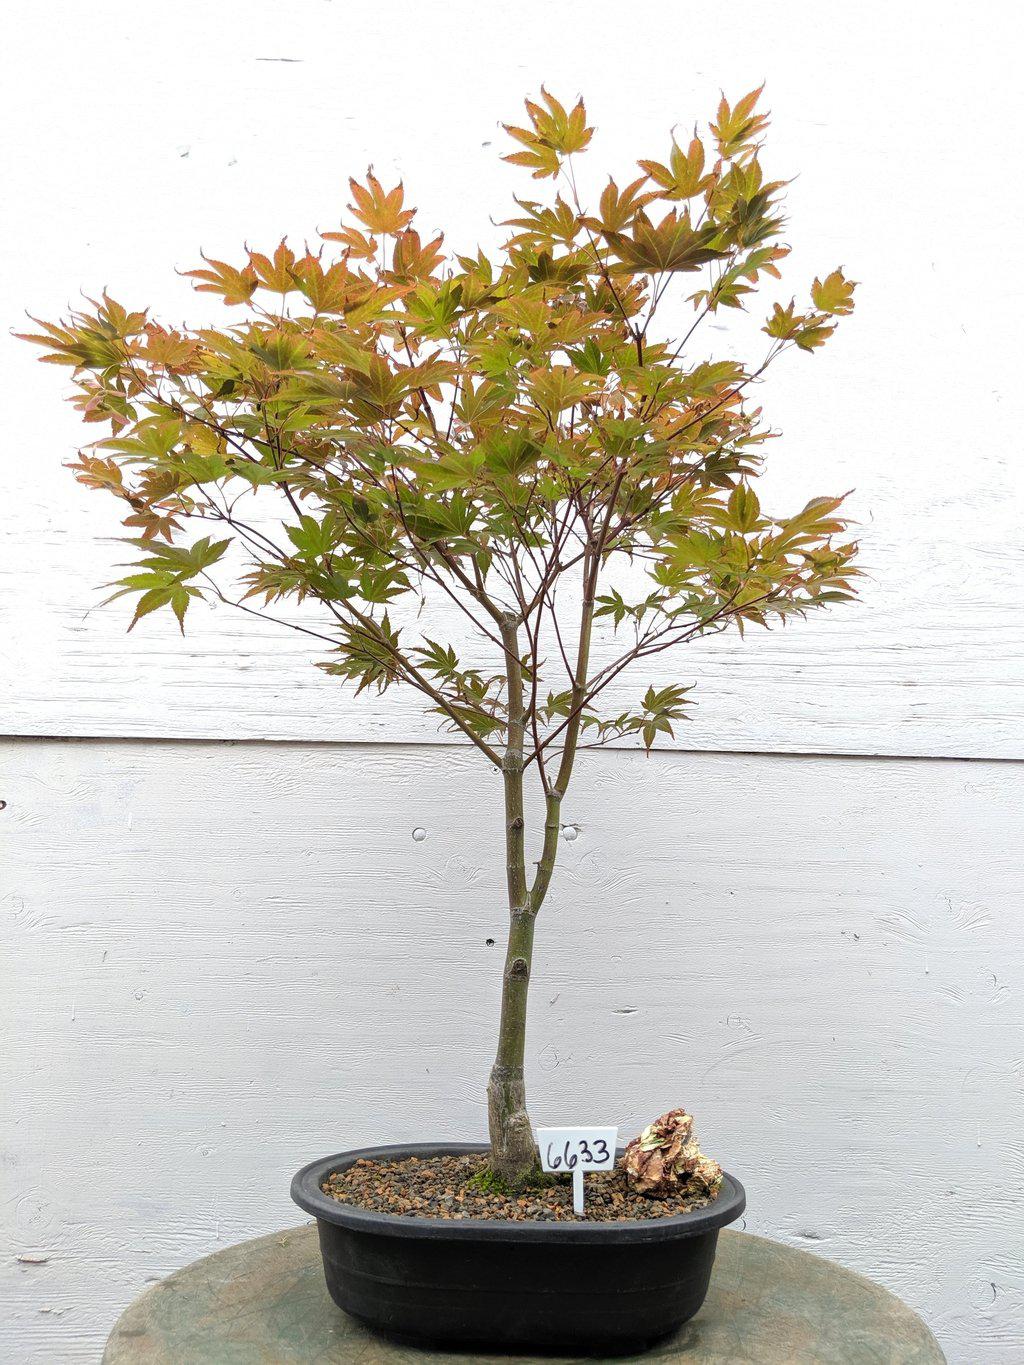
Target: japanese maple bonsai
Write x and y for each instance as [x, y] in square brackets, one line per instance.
[512, 437]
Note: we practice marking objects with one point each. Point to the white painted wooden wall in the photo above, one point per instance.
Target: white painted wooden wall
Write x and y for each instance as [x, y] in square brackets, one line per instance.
[222, 958]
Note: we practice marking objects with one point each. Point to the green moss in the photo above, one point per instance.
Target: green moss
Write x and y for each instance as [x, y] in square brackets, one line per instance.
[487, 1182]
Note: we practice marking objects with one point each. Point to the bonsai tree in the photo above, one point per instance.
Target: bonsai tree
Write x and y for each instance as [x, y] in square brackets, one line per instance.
[513, 437]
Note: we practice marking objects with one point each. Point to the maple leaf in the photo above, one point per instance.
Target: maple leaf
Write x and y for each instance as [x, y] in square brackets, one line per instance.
[834, 294]
[736, 128]
[412, 259]
[164, 346]
[540, 158]
[380, 210]
[813, 335]
[683, 177]
[674, 245]
[92, 471]
[235, 286]
[617, 208]
[330, 290]
[783, 323]
[356, 243]
[275, 275]
[555, 133]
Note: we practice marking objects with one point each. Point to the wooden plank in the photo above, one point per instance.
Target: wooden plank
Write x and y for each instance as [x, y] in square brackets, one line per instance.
[910, 405]
[222, 960]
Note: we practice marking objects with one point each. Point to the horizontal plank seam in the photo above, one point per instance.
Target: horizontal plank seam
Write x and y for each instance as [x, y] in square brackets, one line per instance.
[865, 754]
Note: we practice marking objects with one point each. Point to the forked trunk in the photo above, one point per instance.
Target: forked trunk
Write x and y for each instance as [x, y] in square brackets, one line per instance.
[514, 1155]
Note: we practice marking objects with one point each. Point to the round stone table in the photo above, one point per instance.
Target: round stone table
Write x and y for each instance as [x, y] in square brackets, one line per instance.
[264, 1303]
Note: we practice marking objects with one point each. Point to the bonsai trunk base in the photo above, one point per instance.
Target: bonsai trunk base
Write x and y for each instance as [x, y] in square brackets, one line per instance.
[514, 1155]
[595, 1288]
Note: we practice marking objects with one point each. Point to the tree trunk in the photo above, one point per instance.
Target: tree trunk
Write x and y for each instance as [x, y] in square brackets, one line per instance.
[514, 1155]
[513, 1149]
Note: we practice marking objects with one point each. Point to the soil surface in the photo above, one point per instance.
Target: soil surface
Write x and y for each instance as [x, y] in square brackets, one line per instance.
[438, 1187]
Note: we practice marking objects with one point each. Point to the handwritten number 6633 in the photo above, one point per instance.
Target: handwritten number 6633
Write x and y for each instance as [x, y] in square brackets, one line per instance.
[570, 1158]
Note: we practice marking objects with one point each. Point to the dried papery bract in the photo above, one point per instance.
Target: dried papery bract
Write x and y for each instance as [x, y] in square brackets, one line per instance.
[475, 433]
[666, 1158]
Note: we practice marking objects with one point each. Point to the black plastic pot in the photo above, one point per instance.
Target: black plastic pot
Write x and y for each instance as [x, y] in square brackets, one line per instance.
[585, 1287]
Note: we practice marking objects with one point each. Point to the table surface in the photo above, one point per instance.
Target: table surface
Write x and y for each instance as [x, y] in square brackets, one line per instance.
[265, 1303]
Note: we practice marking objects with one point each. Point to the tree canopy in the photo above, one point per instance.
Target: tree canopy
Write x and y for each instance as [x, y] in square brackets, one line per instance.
[407, 423]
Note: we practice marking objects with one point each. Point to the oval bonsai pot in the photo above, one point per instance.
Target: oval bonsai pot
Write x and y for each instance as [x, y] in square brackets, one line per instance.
[584, 1287]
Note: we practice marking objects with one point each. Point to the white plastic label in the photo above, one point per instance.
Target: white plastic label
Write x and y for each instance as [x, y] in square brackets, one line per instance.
[577, 1150]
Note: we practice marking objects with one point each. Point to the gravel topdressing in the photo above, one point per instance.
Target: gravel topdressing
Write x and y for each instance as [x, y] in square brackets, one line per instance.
[436, 1187]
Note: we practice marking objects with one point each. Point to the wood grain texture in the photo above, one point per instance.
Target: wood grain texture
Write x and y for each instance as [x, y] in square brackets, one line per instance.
[221, 960]
[915, 404]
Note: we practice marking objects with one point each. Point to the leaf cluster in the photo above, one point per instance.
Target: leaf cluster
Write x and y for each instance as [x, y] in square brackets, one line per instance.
[412, 424]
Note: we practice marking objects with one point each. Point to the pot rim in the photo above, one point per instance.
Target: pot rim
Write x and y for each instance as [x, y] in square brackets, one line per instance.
[306, 1192]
